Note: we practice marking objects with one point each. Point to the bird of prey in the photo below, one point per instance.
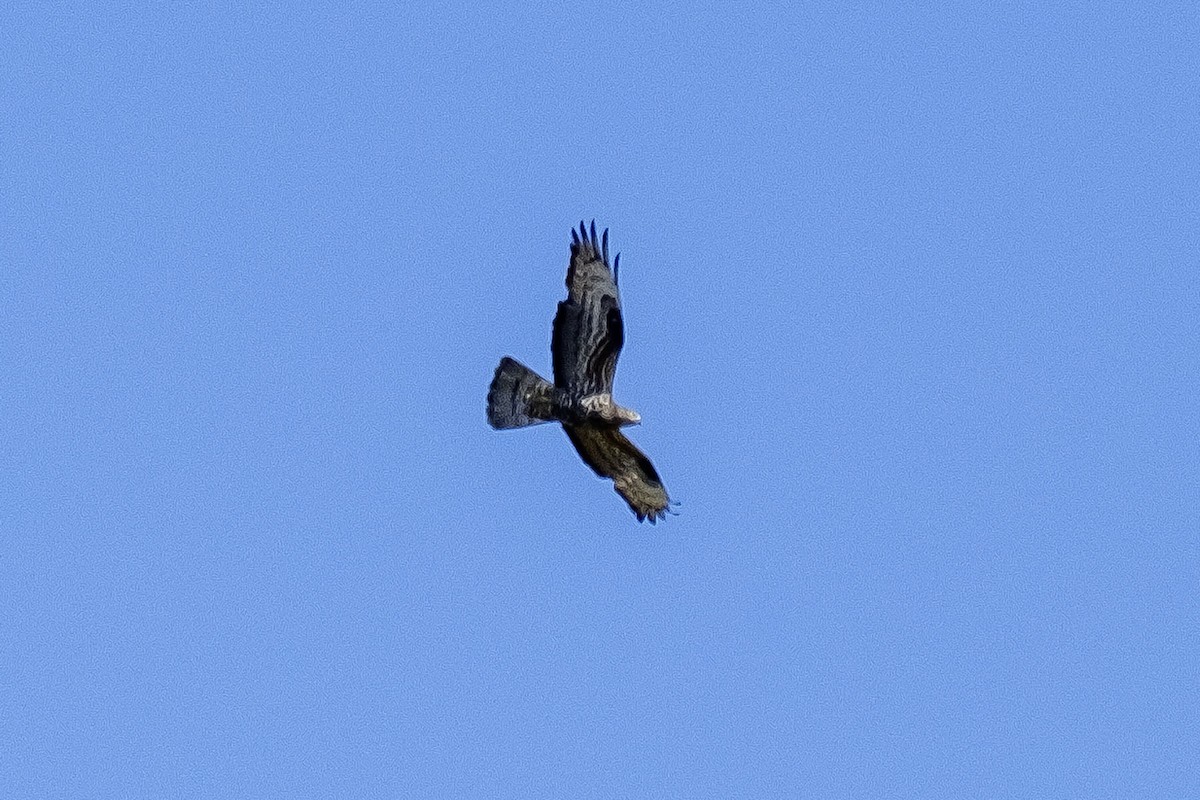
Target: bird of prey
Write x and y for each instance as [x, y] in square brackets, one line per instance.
[587, 337]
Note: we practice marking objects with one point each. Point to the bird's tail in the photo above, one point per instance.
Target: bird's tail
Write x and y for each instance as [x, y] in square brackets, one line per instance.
[519, 396]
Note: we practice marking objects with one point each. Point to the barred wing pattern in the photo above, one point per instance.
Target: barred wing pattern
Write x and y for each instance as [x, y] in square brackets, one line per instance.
[588, 329]
[611, 455]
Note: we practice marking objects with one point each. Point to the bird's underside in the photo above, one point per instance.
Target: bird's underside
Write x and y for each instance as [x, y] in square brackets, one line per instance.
[587, 338]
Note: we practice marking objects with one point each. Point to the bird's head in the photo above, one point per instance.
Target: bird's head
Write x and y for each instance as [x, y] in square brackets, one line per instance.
[627, 416]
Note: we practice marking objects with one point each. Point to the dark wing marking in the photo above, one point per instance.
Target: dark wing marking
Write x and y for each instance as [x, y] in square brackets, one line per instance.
[564, 344]
[611, 455]
[588, 329]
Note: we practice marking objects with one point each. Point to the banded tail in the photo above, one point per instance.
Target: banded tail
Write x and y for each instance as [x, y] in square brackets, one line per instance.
[519, 396]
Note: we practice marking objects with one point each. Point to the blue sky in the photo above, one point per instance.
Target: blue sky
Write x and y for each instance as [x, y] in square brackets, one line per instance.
[911, 303]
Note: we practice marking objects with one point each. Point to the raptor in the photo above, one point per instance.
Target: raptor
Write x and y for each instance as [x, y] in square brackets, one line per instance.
[587, 337]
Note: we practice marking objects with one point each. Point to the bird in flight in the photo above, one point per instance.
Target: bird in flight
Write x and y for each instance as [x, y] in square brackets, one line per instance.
[587, 337]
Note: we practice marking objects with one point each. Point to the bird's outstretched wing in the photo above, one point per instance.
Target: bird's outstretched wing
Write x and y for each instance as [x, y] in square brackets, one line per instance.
[588, 329]
[606, 450]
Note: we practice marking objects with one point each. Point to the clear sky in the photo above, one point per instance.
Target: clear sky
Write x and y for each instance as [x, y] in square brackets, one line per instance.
[911, 302]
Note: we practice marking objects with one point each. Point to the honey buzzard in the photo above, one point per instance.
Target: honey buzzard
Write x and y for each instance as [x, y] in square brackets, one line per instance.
[586, 341]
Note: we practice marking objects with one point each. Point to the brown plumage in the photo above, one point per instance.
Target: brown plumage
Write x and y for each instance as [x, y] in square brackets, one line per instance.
[587, 338]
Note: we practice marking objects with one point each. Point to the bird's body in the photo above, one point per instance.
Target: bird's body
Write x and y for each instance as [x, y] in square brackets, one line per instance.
[587, 339]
